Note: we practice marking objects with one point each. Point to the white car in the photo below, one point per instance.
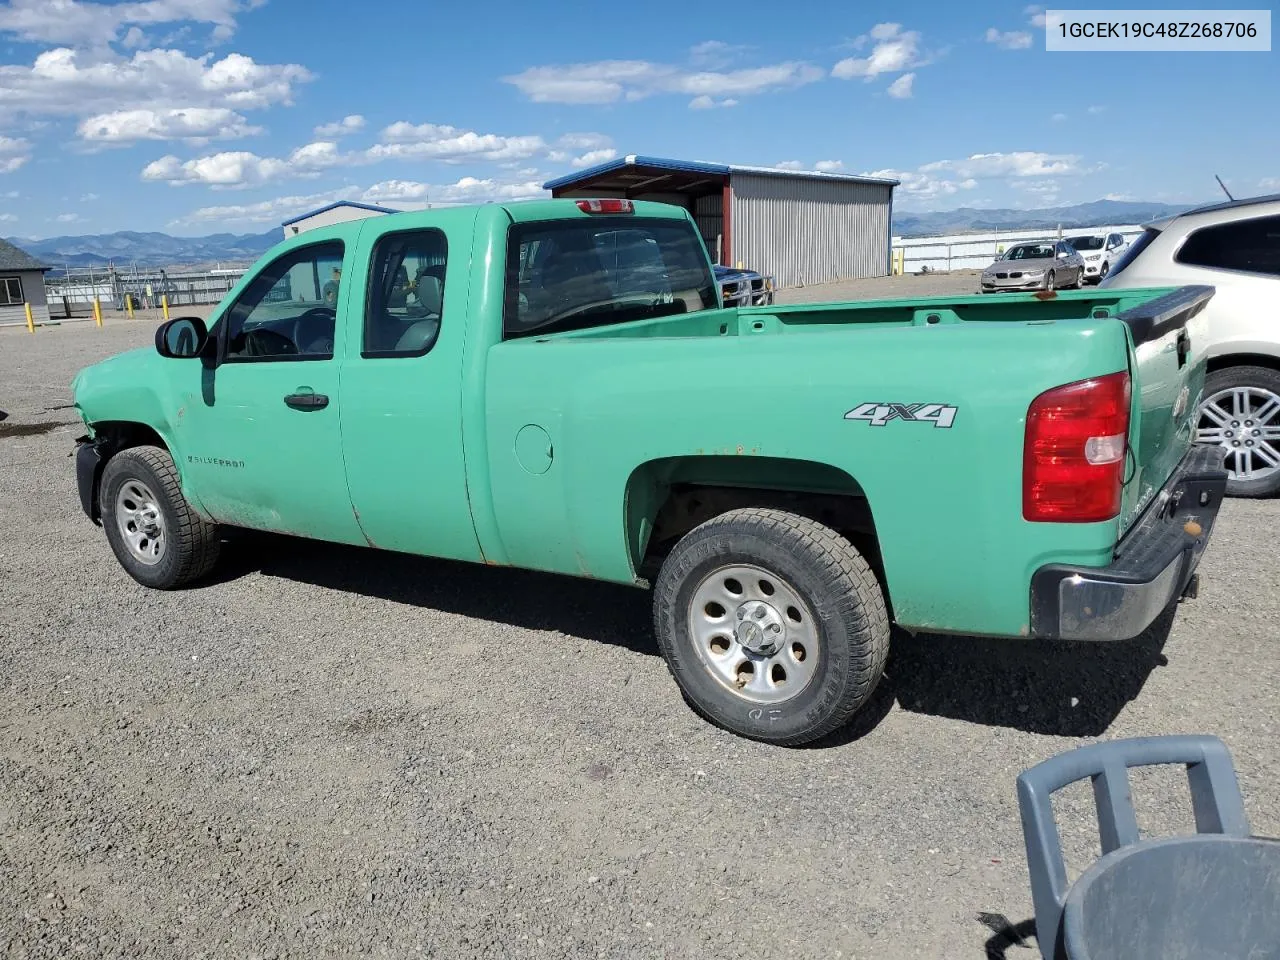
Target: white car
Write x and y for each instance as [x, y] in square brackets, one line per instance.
[1235, 248]
[1101, 251]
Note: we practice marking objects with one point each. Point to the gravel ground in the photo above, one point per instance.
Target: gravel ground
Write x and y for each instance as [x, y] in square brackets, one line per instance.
[333, 752]
[907, 285]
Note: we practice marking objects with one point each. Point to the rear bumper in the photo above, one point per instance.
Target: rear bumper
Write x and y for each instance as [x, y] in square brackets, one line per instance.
[1154, 564]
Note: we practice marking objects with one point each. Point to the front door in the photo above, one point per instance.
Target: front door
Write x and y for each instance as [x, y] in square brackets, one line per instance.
[263, 445]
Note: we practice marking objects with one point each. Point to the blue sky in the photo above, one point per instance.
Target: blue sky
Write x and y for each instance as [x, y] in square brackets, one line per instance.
[204, 116]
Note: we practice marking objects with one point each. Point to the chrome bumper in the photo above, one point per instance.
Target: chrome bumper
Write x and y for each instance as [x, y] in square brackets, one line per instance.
[1154, 564]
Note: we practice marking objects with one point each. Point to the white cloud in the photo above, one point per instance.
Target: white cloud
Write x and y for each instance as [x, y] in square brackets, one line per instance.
[1119, 196]
[64, 82]
[400, 141]
[705, 102]
[921, 187]
[1095, 109]
[713, 54]
[133, 39]
[789, 165]
[67, 217]
[584, 141]
[1022, 163]
[348, 124]
[1009, 40]
[14, 152]
[828, 166]
[1269, 183]
[77, 22]
[592, 157]
[1058, 117]
[399, 194]
[1035, 16]
[608, 81]
[89, 198]
[900, 89]
[895, 50]
[196, 124]
[8, 218]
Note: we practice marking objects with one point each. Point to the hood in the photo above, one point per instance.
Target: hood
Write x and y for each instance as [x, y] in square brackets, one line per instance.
[1026, 266]
[107, 389]
[723, 273]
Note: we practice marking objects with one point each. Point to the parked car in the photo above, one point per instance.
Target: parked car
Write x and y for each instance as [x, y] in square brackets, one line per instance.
[1100, 251]
[1235, 248]
[743, 288]
[556, 407]
[1042, 265]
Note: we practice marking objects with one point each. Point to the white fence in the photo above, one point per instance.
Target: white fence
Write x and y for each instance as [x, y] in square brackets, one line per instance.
[974, 251]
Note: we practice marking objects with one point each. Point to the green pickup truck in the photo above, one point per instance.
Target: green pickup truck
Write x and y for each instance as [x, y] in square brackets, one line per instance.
[555, 385]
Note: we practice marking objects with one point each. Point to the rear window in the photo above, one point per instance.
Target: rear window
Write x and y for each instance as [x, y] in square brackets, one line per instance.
[570, 274]
[1249, 245]
[1134, 251]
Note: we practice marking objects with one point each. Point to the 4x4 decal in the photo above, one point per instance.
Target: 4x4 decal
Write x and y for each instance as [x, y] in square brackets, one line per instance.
[878, 414]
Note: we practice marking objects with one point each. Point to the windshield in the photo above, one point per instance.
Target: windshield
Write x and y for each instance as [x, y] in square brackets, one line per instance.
[569, 274]
[1031, 251]
[1134, 251]
[1086, 243]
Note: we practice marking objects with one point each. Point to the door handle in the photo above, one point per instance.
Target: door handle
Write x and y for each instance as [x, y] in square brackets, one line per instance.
[307, 401]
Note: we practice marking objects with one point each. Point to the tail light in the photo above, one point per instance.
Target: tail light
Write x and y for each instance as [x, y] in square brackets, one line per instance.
[1074, 457]
[606, 206]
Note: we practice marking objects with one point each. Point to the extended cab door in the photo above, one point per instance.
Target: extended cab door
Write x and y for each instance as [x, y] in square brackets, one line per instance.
[402, 383]
[262, 442]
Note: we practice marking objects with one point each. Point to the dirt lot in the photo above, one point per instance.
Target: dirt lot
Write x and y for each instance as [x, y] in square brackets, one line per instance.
[333, 752]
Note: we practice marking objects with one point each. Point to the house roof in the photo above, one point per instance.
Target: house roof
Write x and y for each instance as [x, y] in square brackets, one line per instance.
[12, 258]
[340, 203]
[698, 166]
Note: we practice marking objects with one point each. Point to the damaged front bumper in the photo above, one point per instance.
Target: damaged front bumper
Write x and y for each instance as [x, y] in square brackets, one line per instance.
[88, 470]
[1154, 564]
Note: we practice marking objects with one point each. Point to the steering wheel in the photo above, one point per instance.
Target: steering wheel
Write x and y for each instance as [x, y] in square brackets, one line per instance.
[323, 317]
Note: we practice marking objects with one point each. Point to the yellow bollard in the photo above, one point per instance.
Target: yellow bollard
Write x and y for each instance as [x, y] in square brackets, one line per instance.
[31, 321]
[128, 305]
[97, 312]
[164, 304]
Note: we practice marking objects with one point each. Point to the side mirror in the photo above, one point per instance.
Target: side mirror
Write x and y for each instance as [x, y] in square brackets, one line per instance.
[182, 338]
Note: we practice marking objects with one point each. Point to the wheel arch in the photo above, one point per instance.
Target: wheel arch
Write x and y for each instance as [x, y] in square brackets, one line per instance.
[667, 497]
[1227, 360]
[112, 436]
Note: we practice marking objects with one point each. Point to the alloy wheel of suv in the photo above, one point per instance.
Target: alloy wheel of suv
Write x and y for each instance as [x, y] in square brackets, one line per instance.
[1241, 413]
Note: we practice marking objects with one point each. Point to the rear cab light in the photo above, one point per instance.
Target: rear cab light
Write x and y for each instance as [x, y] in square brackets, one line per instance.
[606, 206]
[1077, 441]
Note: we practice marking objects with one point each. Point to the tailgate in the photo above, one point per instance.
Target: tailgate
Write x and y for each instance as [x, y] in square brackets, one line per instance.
[1169, 338]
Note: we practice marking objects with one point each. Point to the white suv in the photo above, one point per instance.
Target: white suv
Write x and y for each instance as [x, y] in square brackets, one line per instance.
[1101, 251]
[1235, 248]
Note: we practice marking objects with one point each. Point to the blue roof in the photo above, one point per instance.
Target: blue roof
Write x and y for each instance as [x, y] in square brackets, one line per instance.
[698, 166]
[341, 203]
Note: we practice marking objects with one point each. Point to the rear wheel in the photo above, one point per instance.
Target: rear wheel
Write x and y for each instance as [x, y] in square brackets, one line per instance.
[158, 539]
[773, 625]
[1241, 413]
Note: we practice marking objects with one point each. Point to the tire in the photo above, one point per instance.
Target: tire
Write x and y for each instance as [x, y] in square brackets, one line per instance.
[1241, 413]
[158, 539]
[1103, 271]
[823, 595]
[1048, 280]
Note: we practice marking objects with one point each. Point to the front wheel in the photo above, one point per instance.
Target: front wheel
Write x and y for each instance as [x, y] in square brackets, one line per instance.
[773, 625]
[1241, 413]
[1049, 280]
[158, 539]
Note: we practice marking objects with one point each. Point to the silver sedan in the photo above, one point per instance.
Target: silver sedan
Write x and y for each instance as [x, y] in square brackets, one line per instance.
[1042, 265]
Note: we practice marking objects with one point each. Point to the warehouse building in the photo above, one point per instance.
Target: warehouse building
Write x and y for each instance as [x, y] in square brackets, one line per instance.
[339, 212]
[799, 226]
[21, 283]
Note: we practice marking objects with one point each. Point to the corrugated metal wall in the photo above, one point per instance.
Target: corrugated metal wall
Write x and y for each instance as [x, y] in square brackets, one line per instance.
[707, 211]
[804, 230]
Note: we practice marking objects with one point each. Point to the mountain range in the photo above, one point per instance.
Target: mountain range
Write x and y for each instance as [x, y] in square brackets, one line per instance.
[162, 250]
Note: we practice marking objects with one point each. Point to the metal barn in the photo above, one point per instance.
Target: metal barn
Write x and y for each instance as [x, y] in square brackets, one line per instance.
[799, 226]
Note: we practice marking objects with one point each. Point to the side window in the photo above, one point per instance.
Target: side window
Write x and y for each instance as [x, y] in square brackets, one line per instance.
[288, 311]
[1249, 245]
[406, 294]
[11, 290]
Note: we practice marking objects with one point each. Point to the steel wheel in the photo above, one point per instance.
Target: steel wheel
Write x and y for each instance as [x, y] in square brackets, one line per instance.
[1246, 422]
[140, 522]
[754, 633]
